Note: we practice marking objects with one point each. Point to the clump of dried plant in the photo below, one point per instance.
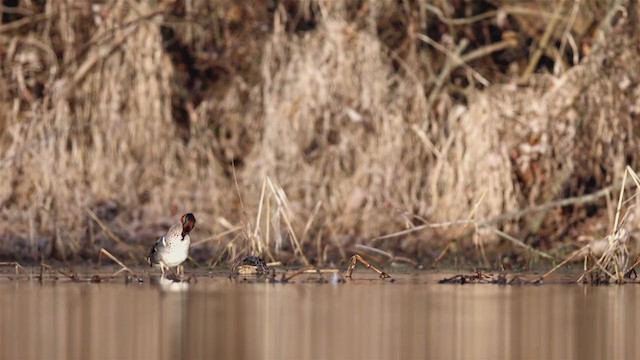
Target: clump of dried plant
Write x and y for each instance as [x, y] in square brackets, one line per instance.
[345, 121]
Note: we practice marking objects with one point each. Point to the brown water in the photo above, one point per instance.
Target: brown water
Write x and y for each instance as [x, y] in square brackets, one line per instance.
[412, 318]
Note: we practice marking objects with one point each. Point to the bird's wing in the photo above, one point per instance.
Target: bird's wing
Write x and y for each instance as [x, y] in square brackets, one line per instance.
[160, 243]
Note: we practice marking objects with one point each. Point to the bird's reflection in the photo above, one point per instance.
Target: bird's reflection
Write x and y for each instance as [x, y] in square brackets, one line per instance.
[167, 284]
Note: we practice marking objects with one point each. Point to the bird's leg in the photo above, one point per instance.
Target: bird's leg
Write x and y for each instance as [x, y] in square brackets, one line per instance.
[181, 271]
[172, 274]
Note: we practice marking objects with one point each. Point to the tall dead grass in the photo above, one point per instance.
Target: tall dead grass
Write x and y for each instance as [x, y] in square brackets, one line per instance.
[102, 136]
[358, 139]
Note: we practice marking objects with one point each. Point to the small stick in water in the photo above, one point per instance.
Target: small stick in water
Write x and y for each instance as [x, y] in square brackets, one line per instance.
[632, 267]
[49, 268]
[579, 252]
[354, 260]
[17, 266]
[117, 261]
[285, 279]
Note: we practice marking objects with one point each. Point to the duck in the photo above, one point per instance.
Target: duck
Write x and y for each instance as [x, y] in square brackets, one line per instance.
[172, 249]
[248, 265]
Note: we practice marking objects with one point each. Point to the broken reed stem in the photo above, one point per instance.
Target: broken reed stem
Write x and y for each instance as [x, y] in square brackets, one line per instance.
[509, 9]
[597, 264]
[460, 21]
[16, 10]
[520, 243]
[453, 60]
[84, 68]
[321, 271]
[268, 230]
[282, 202]
[295, 239]
[479, 243]
[375, 250]
[265, 243]
[636, 263]
[224, 251]
[296, 273]
[264, 186]
[357, 258]
[104, 227]
[466, 222]
[472, 214]
[636, 180]
[422, 135]
[216, 237]
[605, 25]
[391, 258]
[255, 244]
[117, 34]
[617, 218]
[634, 176]
[488, 50]
[327, 271]
[17, 267]
[616, 240]
[402, 259]
[73, 277]
[544, 41]
[117, 261]
[575, 200]
[14, 25]
[569, 258]
[197, 264]
[566, 36]
[444, 250]
[307, 227]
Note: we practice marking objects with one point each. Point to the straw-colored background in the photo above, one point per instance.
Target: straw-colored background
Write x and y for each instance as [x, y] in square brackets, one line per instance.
[345, 121]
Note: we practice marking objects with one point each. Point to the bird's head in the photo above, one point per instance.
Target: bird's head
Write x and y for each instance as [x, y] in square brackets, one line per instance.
[188, 223]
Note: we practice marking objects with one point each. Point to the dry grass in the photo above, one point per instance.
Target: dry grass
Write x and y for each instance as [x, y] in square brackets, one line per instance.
[343, 123]
[612, 258]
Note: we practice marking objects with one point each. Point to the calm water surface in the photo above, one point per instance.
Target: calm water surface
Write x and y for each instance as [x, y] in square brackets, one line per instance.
[412, 318]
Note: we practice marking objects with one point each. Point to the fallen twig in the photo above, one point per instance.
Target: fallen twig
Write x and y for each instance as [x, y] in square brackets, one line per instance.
[572, 256]
[17, 266]
[471, 216]
[453, 61]
[551, 26]
[285, 278]
[216, 237]
[117, 261]
[110, 233]
[354, 260]
[513, 10]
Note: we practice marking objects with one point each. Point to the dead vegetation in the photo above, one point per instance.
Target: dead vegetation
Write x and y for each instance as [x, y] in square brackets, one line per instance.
[609, 257]
[479, 277]
[355, 259]
[345, 122]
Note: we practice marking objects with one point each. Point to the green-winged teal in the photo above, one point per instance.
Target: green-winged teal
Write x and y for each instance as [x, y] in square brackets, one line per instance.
[173, 249]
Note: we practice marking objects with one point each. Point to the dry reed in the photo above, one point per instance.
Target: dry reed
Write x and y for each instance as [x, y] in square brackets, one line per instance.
[343, 128]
